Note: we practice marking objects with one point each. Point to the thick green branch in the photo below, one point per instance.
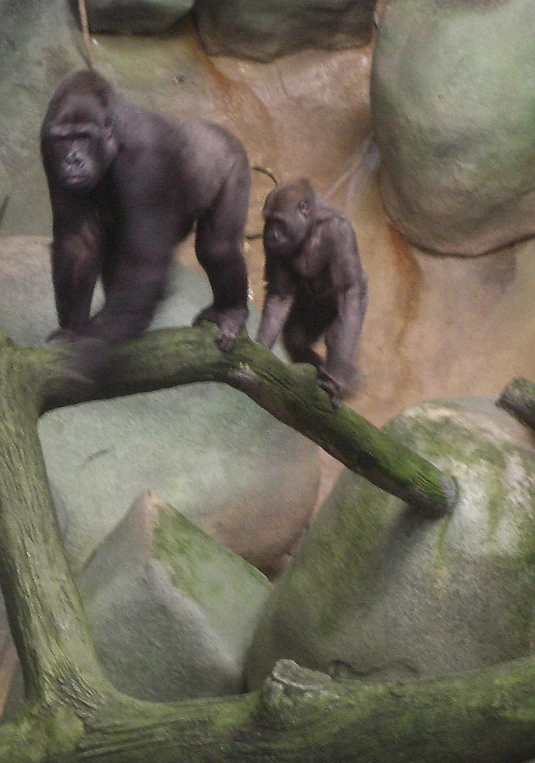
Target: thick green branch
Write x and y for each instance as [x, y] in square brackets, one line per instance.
[301, 716]
[182, 356]
[32, 564]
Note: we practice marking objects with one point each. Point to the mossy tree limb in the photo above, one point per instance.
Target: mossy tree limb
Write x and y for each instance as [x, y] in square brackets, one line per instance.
[180, 356]
[73, 714]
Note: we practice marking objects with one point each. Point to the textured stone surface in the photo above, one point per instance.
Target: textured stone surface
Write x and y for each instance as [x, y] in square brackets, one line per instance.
[452, 101]
[207, 449]
[265, 29]
[379, 593]
[171, 610]
[135, 16]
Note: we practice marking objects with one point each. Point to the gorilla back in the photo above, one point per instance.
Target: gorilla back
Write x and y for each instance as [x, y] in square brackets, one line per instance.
[126, 185]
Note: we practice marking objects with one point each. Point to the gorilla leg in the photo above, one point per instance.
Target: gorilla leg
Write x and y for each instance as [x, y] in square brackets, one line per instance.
[218, 246]
[300, 332]
[343, 335]
[133, 291]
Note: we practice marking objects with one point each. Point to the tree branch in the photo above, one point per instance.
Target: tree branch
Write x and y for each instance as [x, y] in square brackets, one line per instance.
[170, 357]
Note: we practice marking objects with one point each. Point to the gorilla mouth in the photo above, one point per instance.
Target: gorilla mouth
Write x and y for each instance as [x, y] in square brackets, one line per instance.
[77, 181]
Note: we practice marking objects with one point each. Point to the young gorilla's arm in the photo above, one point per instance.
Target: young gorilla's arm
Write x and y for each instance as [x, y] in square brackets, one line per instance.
[280, 291]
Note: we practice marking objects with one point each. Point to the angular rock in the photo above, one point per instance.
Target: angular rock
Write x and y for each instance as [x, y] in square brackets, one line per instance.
[453, 117]
[171, 610]
[377, 593]
[265, 30]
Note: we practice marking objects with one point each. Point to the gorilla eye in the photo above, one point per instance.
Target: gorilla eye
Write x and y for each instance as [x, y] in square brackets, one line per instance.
[304, 207]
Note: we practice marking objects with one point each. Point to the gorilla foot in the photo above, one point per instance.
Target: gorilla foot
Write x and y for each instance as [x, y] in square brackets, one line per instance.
[85, 363]
[230, 322]
[62, 335]
[331, 387]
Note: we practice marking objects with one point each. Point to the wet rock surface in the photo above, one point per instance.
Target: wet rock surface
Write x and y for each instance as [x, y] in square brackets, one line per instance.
[139, 17]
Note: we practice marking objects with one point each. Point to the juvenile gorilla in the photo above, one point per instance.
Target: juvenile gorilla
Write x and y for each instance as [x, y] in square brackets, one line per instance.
[315, 284]
[126, 186]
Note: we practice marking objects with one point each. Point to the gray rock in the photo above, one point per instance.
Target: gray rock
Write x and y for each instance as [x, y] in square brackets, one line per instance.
[452, 102]
[264, 30]
[135, 16]
[377, 592]
[171, 610]
[229, 466]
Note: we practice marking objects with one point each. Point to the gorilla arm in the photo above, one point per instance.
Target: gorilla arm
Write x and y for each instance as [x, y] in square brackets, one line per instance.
[280, 293]
[76, 261]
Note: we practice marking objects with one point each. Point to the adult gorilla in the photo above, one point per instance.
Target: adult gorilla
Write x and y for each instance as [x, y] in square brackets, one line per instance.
[126, 186]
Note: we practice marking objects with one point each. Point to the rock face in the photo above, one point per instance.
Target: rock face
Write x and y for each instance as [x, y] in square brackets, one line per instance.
[453, 116]
[225, 463]
[135, 16]
[265, 30]
[377, 593]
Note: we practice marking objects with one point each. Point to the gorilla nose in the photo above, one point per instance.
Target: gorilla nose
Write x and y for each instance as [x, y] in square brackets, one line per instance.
[75, 161]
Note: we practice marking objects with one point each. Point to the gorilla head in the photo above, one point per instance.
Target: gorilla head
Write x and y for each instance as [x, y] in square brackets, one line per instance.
[288, 213]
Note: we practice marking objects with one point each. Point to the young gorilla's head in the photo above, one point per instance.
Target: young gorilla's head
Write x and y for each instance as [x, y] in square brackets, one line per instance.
[288, 214]
[77, 142]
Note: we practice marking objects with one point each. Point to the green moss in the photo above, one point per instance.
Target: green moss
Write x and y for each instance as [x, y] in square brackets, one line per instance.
[195, 559]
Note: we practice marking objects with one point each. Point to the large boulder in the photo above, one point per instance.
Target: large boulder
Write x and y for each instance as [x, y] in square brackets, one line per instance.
[265, 30]
[226, 464]
[452, 101]
[378, 592]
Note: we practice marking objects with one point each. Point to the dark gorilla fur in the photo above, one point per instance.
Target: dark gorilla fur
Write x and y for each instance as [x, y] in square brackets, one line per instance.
[315, 284]
[126, 186]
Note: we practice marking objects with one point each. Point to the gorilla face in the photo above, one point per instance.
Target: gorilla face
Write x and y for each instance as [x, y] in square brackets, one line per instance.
[79, 145]
[288, 213]
[81, 153]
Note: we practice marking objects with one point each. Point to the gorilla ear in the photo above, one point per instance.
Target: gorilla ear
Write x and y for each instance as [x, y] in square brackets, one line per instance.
[111, 142]
[304, 208]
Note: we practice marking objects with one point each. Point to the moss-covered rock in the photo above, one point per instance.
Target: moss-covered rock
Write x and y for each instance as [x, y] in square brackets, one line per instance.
[380, 593]
[453, 111]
